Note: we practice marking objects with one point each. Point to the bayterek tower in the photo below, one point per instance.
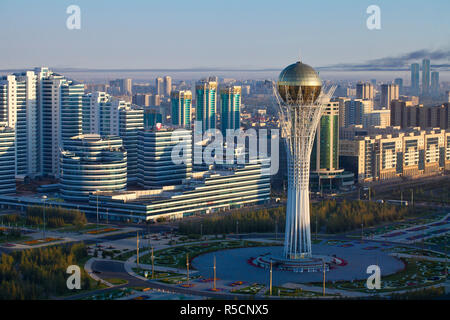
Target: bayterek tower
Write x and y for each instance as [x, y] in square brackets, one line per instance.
[302, 100]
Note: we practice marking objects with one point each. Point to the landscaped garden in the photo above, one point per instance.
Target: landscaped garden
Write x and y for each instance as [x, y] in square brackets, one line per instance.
[417, 274]
[253, 289]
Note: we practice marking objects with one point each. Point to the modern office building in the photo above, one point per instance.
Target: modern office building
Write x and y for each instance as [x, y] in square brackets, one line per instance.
[181, 108]
[224, 188]
[157, 166]
[326, 175]
[415, 74]
[231, 108]
[426, 76]
[7, 160]
[409, 153]
[364, 90]
[389, 92]
[206, 95]
[19, 111]
[167, 86]
[435, 83]
[91, 163]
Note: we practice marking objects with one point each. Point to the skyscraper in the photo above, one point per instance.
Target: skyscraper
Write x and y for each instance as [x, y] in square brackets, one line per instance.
[167, 86]
[159, 86]
[425, 76]
[325, 155]
[231, 105]
[206, 95]
[127, 86]
[364, 90]
[181, 108]
[60, 102]
[435, 83]
[389, 92]
[415, 87]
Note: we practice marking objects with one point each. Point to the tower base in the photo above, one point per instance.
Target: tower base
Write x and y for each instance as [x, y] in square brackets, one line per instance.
[315, 263]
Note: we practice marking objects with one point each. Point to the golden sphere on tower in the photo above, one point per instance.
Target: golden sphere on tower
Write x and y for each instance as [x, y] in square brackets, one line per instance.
[299, 82]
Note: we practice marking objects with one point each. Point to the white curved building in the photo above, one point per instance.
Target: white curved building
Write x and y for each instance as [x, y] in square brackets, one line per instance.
[92, 163]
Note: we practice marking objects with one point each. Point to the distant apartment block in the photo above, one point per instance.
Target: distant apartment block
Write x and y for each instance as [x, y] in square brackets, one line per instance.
[411, 153]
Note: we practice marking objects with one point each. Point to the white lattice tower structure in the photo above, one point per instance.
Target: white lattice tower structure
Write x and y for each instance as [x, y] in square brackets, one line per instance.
[299, 117]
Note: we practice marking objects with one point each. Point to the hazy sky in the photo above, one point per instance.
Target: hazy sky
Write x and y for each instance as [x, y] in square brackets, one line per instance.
[225, 33]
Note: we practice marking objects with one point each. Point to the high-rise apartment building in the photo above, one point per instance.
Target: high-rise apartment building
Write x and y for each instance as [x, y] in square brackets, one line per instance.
[167, 86]
[405, 115]
[206, 95]
[142, 99]
[354, 111]
[19, 110]
[231, 108]
[401, 154]
[435, 83]
[122, 86]
[389, 92]
[181, 108]
[364, 90]
[7, 160]
[60, 102]
[159, 86]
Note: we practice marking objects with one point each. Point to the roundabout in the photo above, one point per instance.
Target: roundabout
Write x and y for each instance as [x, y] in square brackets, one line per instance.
[344, 262]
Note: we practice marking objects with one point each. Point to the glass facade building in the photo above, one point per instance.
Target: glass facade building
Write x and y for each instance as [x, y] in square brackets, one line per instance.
[231, 106]
[91, 163]
[415, 85]
[156, 166]
[426, 76]
[206, 95]
[181, 108]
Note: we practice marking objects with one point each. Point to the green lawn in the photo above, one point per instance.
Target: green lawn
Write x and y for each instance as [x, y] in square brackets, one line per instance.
[175, 257]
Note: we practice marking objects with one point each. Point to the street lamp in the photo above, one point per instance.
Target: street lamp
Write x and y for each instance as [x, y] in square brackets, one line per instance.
[97, 191]
[44, 198]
